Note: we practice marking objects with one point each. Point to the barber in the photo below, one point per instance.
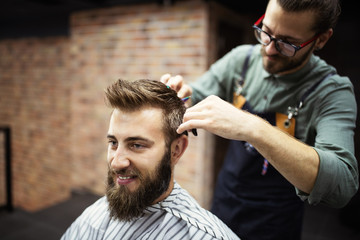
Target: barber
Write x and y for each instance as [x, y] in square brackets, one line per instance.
[290, 117]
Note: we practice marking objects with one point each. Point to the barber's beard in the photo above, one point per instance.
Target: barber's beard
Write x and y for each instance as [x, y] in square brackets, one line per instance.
[281, 64]
[125, 205]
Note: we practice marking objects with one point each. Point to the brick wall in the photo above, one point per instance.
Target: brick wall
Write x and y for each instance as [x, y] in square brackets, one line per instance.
[34, 102]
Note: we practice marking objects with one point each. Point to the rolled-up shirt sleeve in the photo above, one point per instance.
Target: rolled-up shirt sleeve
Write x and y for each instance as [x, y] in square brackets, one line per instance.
[337, 179]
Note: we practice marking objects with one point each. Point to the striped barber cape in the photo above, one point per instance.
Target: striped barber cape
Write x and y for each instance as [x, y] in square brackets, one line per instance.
[178, 216]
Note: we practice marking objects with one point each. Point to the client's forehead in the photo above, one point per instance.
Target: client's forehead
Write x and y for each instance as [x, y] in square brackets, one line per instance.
[146, 122]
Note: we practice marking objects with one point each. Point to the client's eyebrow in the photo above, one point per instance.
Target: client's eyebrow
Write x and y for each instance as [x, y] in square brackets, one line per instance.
[109, 136]
[138, 138]
[132, 139]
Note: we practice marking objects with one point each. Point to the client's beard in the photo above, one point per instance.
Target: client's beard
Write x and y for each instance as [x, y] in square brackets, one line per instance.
[125, 205]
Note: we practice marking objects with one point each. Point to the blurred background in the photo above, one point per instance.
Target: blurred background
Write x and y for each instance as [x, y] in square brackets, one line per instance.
[58, 56]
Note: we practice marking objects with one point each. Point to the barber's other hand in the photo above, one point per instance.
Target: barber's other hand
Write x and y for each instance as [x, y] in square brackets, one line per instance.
[177, 83]
[218, 117]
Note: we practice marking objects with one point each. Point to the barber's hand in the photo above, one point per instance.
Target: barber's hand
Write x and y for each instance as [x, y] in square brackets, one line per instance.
[177, 83]
[218, 117]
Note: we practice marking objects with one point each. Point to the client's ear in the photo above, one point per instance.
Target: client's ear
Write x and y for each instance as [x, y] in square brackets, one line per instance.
[178, 147]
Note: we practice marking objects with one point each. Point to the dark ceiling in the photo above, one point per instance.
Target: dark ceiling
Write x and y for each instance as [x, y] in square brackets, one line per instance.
[21, 18]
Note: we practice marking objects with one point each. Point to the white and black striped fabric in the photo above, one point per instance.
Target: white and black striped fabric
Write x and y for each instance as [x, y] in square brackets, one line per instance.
[178, 216]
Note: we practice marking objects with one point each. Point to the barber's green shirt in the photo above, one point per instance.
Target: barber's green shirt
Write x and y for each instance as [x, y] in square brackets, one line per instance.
[326, 121]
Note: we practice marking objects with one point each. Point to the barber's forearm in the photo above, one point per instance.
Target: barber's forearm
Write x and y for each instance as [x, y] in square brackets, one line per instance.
[296, 161]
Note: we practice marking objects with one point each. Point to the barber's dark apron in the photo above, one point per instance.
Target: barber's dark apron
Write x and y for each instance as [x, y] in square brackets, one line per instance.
[251, 196]
[254, 199]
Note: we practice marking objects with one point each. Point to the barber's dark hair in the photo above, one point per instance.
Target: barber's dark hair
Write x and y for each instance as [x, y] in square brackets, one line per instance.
[134, 95]
[326, 11]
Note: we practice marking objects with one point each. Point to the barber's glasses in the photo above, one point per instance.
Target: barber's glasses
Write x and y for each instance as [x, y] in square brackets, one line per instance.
[283, 47]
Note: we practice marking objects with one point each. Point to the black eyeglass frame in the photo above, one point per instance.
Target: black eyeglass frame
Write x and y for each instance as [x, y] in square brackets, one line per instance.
[297, 48]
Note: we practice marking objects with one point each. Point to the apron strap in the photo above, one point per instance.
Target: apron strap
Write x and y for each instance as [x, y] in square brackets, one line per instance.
[241, 80]
[294, 111]
[313, 87]
[245, 66]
